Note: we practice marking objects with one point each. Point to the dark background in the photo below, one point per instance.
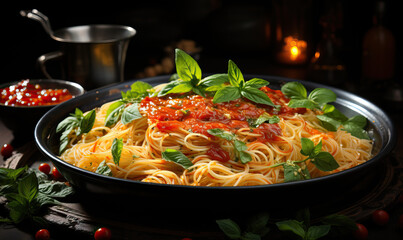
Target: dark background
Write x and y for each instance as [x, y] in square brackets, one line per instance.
[243, 31]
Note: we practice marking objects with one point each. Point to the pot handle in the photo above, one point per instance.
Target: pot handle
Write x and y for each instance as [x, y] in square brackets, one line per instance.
[41, 61]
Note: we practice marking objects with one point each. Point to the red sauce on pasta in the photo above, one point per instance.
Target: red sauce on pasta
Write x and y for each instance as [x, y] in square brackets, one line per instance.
[26, 94]
[198, 114]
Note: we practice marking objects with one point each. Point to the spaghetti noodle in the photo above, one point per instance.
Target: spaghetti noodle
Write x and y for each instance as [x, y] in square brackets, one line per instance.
[185, 123]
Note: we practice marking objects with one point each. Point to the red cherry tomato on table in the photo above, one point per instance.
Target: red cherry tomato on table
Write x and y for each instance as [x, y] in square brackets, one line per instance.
[7, 150]
[361, 233]
[42, 234]
[56, 174]
[102, 233]
[380, 217]
[44, 167]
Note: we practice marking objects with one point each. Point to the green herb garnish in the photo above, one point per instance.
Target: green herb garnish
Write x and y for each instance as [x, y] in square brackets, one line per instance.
[239, 146]
[264, 118]
[127, 107]
[76, 124]
[299, 98]
[27, 192]
[322, 160]
[177, 157]
[238, 87]
[116, 149]
[103, 169]
[332, 119]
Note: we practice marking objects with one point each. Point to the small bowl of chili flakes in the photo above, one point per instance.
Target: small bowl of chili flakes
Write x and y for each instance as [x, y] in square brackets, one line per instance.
[23, 103]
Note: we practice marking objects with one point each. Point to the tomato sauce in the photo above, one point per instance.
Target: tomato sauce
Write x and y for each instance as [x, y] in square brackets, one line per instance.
[26, 94]
[198, 114]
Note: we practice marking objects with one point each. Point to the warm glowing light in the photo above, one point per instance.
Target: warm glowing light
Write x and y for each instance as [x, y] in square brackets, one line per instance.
[293, 51]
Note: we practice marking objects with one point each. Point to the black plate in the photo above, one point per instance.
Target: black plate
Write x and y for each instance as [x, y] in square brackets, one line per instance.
[273, 197]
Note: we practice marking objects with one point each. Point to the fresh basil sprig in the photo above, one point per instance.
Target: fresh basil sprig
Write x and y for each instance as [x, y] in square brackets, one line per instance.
[189, 73]
[322, 160]
[177, 157]
[127, 107]
[256, 227]
[239, 88]
[301, 226]
[300, 99]
[27, 192]
[78, 122]
[239, 146]
[332, 119]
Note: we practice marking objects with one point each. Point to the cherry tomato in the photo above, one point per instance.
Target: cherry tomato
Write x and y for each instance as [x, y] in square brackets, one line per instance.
[102, 233]
[42, 234]
[44, 167]
[56, 173]
[380, 217]
[7, 150]
[361, 233]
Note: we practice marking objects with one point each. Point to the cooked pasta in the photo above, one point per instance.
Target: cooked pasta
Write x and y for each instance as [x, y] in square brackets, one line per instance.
[183, 122]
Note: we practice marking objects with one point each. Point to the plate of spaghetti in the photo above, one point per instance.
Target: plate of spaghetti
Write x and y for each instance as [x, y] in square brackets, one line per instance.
[225, 135]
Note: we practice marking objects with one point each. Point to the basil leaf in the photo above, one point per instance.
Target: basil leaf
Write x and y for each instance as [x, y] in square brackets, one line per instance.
[221, 133]
[87, 122]
[328, 122]
[174, 77]
[244, 157]
[140, 89]
[301, 103]
[258, 223]
[256, 96]
[324, 161]
[177, 157]
[42, 200]
[103, 169]
[230, 228]
[28, 187]
[322, 96]
[55, 189]
[168, 87]
[294, 90]
[78, 113]
[116, 149]
[18, 210]
[316, 232]
[307, 146]
[256, 83]
[293, 226]
[357, 120]
[264, 118]
[240, 146]
[292, 172]
[112, 108]
[214, 80]
[131, 113]
[186, 67]
[114, 116]
[66, 123]
[235, 76]
[317, 149]
[355, 130]
[226, 94]
[199, 91]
